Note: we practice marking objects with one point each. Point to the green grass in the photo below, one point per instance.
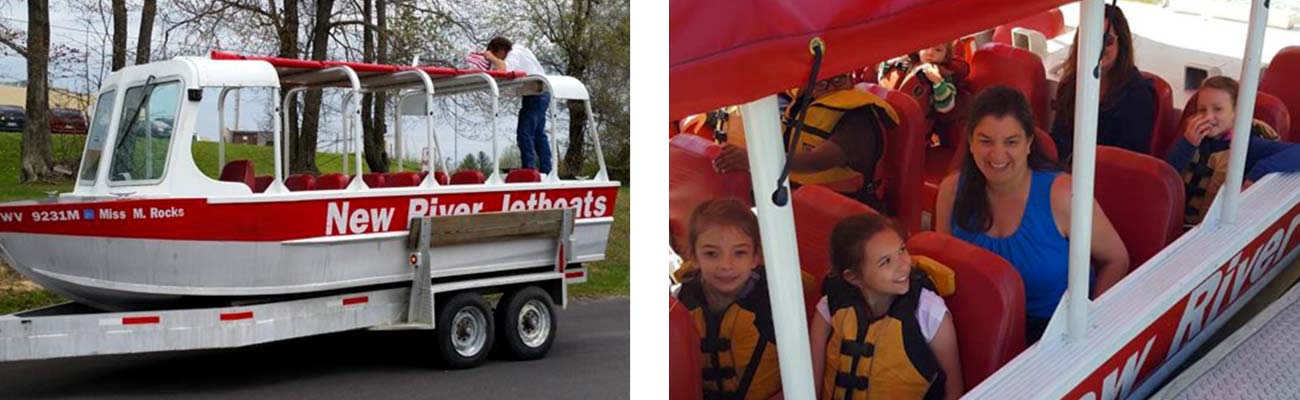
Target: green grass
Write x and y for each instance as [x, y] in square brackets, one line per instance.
[12, 300]
[611, 277]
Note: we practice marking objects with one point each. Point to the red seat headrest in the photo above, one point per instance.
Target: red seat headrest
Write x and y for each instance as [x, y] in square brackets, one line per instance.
[1050, 23]
[902, 170]
[1143, 198]
[816, 212]
[332, 181]
[240, 171]
[1166, 122]
[693, 179]
[1282, 79]
[373, 179]
[988, 307]
[402, 179]
[1001, 64]
[442, 178]
[299, 182]
[262, 182]
[468, 177]
[523, 175]
[684, 379]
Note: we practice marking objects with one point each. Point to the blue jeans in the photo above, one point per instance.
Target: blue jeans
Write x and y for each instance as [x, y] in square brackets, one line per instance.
[534, 148]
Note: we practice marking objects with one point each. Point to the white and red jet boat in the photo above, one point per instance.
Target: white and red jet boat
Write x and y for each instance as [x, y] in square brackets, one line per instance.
[145, 228]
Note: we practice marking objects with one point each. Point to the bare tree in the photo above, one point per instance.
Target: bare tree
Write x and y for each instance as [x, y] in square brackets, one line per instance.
[147, 13]
[37, 154]
[304, 153]
[119, 34]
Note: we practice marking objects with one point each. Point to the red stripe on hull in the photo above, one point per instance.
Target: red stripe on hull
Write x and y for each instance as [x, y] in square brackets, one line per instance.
[237, 316]
[141, 320]
[356, 300]
[196, 219]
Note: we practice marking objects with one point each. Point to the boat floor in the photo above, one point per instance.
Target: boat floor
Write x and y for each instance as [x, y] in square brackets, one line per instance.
[1256, 355]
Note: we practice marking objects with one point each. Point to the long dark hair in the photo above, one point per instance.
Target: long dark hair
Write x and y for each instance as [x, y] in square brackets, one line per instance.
[971, 209]
[1120, 72]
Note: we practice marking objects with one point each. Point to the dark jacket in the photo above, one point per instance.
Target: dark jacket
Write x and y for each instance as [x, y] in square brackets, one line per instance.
[1127, 122]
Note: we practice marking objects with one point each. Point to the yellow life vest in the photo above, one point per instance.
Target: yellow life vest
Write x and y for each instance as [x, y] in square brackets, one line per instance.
[882, 358]
[822, 116]
[1205, 175]
[737, 345]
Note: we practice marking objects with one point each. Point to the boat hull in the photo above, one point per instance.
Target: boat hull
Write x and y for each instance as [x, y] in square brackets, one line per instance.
[204, 251]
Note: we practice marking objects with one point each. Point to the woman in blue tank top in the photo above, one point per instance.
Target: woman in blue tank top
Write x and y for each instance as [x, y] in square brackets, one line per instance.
[1011, 200]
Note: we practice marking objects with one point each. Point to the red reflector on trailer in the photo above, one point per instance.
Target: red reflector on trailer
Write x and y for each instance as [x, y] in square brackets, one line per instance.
[356, 300]
[575, 274]
[140, 320]
[236, 316]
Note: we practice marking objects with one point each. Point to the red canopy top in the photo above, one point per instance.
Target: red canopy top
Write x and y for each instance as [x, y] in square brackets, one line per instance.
[288, 67]
[727, 52]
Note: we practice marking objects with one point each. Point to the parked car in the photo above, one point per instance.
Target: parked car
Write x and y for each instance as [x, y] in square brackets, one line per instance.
[12, 118]
[67, 120]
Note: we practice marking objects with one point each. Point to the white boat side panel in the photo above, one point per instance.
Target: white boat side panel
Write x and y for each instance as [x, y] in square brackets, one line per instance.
[140, 269]
[1179, 284]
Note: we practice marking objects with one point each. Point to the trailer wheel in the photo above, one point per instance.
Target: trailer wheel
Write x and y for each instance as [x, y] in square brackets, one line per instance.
[526, 323]
[465, 331]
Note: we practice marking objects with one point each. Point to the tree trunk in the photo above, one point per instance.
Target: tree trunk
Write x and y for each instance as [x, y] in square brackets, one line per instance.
[37, 154]
[578, 60]
[305, 155]
[376, 147]
[575, 155]
[119, 34]
[142, 42]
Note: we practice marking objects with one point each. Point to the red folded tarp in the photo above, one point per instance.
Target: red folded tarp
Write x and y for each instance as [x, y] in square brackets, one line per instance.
[290, 66]
[727, 52]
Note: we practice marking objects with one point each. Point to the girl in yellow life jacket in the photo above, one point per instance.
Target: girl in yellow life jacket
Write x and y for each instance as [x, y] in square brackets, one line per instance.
[726, 295]
[882, 331]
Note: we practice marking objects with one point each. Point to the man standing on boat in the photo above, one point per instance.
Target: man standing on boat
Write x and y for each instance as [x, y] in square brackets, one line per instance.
[534, 147]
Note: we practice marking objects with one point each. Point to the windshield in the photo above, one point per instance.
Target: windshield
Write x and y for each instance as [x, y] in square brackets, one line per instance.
[140, 153]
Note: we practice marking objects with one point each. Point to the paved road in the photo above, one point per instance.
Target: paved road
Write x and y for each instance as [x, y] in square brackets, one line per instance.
[588, 361]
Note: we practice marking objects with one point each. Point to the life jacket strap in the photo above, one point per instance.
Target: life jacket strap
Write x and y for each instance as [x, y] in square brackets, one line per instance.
[850, 382]
[712, 374]
[717, 395]
[715, 344]
[857, 349]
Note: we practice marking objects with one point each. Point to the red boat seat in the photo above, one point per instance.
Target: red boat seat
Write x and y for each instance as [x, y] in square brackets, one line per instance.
[442, 178]
[816, 211]
[1268, 108]
[300, 182]
[1143, 198]
[1001, 64]
[902, 170]
[684, 378]
[332, 181]
[468, 177]
[1166, 122]
[1050, 23]
[523, 175]
[262, 182]
[1282, 79]
[988, 306]
[240, 171]
[693, 181]
[402, 179]
[374, 179]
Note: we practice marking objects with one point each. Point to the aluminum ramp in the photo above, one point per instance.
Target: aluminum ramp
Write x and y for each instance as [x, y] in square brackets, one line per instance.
[1261, 360]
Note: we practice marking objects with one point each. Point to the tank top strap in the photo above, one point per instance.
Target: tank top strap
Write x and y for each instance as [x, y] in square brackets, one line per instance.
[1038, 217]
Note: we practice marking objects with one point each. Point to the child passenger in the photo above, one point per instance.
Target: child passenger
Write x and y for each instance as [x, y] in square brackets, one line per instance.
[726, 295]
[1201, 154]
[882, 331]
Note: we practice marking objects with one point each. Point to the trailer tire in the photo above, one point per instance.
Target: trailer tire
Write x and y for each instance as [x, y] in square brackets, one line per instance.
[465, 332]
[526, 323]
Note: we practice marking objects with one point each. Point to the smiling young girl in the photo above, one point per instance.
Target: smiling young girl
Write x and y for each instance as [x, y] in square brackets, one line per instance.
[882, 331]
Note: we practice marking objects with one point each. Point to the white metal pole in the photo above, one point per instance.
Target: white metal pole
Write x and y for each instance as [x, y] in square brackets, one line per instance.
[601, 176]
[221, 129]
[1245, 111]
[1086, 103]
[780, 252]
[279, 134]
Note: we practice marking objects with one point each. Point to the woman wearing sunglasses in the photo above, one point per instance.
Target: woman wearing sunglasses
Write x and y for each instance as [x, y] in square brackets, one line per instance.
[1128, 100]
